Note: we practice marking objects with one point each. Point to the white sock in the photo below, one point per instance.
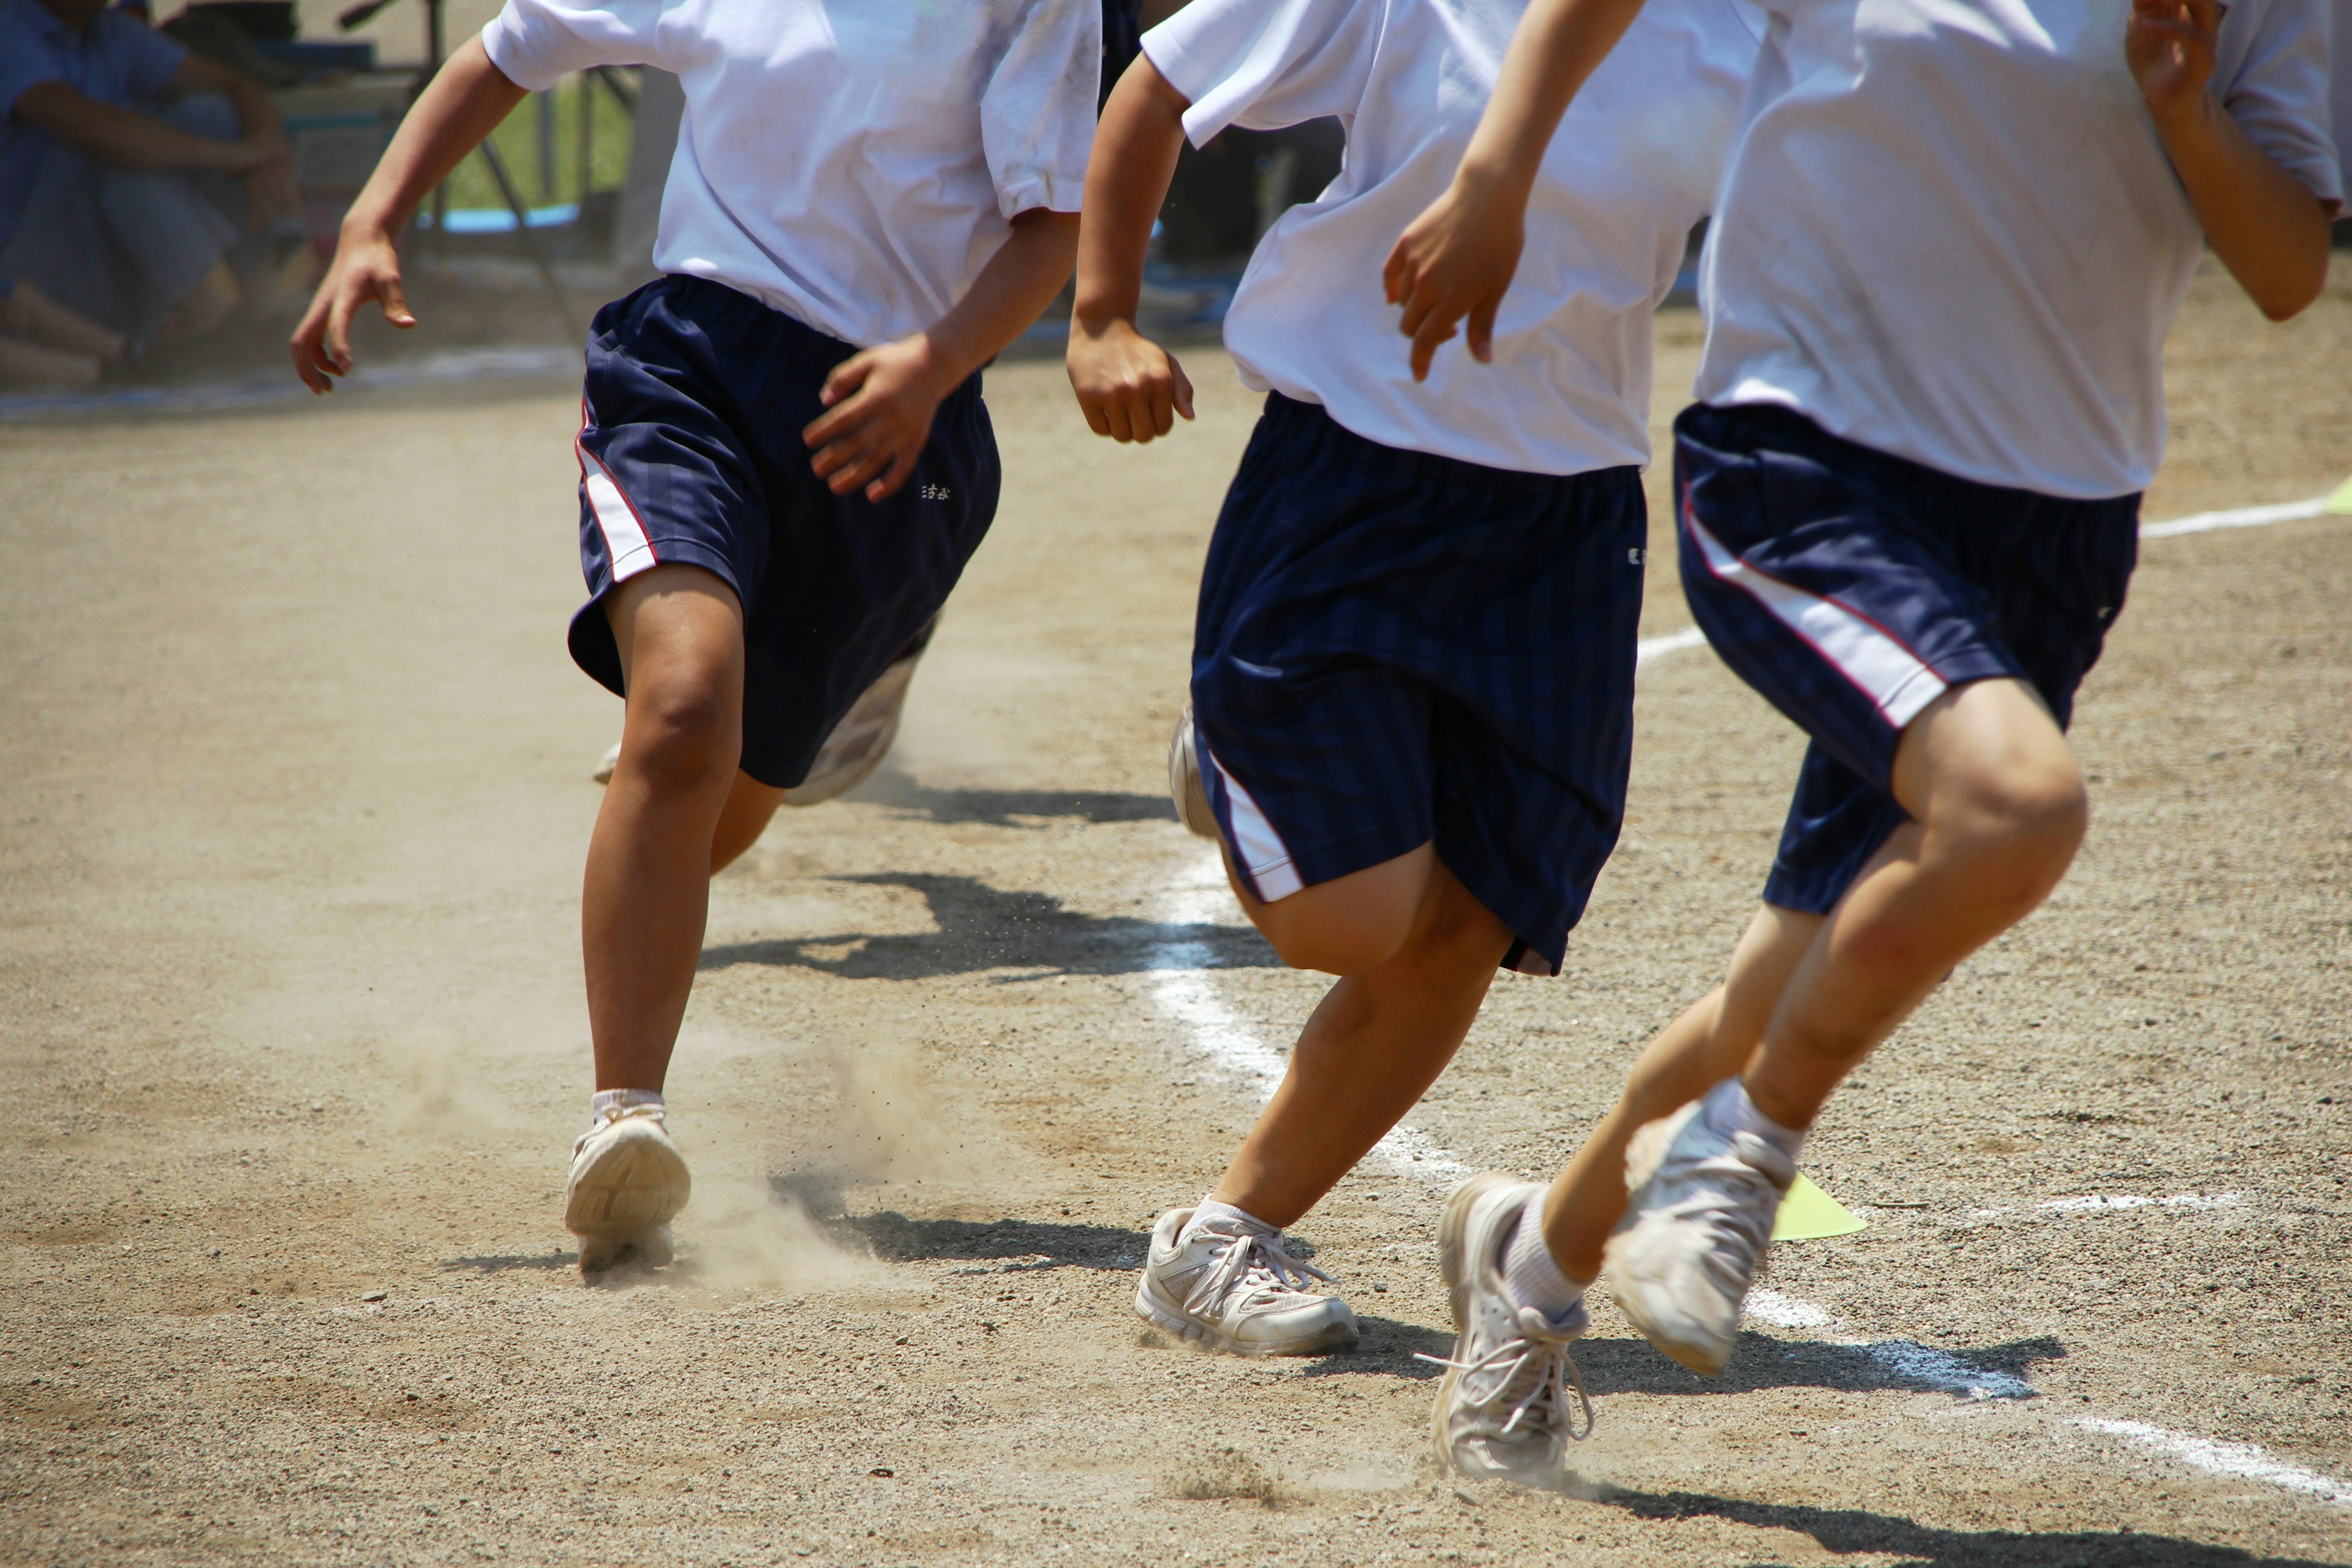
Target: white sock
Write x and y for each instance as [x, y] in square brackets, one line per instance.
[1727, 1108]
[1211, 1212]
[607, 1103]
[1530, 1276]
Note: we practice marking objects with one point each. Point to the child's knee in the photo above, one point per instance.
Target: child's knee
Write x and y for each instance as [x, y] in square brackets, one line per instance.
[2032, 813]
[682, 737]
[1335, 935]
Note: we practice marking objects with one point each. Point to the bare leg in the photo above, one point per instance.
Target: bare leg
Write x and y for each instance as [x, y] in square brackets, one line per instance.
[750, 805]
[1381, 1035]
[647, 889]
[1712, 1040]
[28, 310]
[1998, 812]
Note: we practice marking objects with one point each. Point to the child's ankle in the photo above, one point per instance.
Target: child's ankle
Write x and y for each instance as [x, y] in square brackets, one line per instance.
[1531, 1275]
[1729, 1108]
[610, 1104]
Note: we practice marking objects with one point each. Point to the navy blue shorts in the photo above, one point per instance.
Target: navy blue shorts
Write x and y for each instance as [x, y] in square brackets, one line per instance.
[1852, 588]
[690, 453]
[1395, 649]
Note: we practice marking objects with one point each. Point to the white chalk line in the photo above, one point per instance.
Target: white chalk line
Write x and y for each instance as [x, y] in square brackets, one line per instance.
[1184, 986]
[2118, 1203]
[2236, 516]
[2242, 1460]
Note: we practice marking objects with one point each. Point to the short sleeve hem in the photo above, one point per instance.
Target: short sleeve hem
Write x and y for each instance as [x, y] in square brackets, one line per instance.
[1026, 190]
[513, 56]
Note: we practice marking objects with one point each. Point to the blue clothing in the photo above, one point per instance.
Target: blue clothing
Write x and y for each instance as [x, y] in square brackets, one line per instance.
[1852, 588]
[690, 453]
[1395, 649]
[114, 61]
[124, 246]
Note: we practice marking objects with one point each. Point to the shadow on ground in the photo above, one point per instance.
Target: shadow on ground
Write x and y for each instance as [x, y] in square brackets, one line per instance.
[506, 1262]
[1845, 1531]
[994, 1247]
[1617, 1366]
[982, 928]
[1010, 807]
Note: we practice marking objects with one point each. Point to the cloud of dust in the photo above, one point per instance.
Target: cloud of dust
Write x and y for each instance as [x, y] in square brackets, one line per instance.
[439, 1093]
[743, 1239]
[883, 1125]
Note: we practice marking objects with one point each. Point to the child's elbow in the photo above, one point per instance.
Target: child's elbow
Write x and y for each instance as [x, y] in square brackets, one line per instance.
[2286, 300]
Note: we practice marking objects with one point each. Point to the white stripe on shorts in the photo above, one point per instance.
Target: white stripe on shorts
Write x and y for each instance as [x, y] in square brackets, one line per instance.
[625, 544]
[1256, 844]
[1889, 674]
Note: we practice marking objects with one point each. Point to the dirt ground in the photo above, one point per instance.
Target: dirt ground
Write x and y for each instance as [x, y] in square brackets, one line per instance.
[296, 798]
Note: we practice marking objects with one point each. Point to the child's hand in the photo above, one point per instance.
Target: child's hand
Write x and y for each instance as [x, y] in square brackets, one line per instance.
[2168, 44]
[366, 267]
[1130, 388]
[880, 404]
[1454, 261]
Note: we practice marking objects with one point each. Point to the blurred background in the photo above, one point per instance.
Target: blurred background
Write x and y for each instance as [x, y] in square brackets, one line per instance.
[512, 256]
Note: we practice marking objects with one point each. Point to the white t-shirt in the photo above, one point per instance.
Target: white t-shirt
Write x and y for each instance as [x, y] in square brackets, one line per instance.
[1633, 167]
[852, 166]
[1949, 232]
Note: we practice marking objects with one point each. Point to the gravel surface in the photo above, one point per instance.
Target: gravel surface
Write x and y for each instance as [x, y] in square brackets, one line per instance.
[297, 798]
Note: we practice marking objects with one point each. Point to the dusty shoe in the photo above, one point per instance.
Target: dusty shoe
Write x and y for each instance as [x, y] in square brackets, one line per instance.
[1503, 1410]
[628, 1181]
[1184, 785]
[863, 737]
[1696, 1228]
[1237, 1290]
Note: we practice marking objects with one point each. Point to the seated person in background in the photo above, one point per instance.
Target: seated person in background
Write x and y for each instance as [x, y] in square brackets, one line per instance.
[130, 169]
[42, 343]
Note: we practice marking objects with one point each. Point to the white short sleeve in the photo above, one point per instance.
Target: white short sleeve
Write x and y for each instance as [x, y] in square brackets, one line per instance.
[1266, 64]
[2279, 93]
[535, 43]
[1038, 114]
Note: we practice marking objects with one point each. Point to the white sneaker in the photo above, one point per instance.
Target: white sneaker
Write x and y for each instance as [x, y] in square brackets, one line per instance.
[627, 1182]
[1184, 785]
[863, 737]
[608, 764]
[1237, 1290]
[1502, 1410]
[1695, 1231]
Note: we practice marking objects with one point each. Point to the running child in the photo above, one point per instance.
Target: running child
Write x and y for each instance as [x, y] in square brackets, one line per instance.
[784, 458]
[1412, 668]
[1929, 399]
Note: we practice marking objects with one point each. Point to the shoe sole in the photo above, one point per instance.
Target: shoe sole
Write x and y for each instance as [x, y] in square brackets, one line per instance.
[638, 1185]
[1644, 1154]
[1453, 1236]
[1340, 1336]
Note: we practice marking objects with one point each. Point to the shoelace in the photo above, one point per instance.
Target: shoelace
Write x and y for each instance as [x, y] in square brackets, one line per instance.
[1538, 1345]
[1750, 1220]
[1256, 1266]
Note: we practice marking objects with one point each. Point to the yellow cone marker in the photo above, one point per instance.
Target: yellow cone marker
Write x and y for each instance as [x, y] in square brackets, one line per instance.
[1808, 1213]
[2340, 503]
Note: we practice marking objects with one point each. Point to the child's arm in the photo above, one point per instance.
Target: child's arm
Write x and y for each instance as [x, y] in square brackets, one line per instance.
[2269, 230]
[1457, 258]
[880, 402]
[463, 104]
[1129, 387]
